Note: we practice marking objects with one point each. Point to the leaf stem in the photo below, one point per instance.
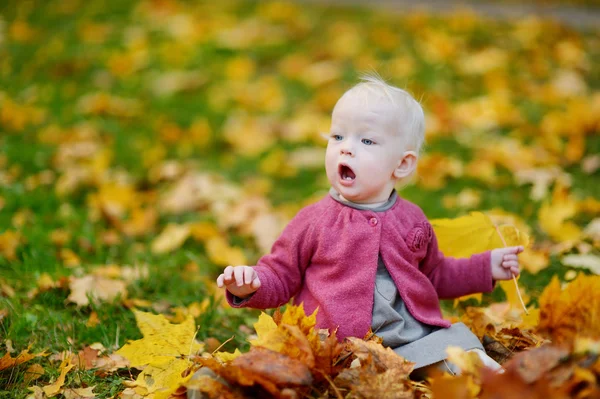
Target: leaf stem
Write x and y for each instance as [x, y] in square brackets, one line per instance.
[513, 276]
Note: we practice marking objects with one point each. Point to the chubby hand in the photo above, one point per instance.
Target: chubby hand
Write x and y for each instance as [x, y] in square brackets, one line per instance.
[241, 281]
[505, 262]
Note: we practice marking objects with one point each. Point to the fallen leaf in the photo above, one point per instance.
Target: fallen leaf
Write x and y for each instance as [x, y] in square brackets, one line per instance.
[32, 373]
[572, 312]
[221, 253]
[554, 216]
[7, 361]
[589, 261]
[99, 289]
[170, 239]
[79, 393]
[9, 242]
[162, 353]
[56, 387]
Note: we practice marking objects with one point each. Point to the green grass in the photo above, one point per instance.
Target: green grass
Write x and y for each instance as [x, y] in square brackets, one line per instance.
[54, 70]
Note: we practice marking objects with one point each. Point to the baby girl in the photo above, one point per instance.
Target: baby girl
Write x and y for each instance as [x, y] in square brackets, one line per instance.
[365, 257]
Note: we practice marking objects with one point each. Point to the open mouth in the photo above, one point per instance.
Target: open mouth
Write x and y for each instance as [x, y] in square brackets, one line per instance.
[346, 173]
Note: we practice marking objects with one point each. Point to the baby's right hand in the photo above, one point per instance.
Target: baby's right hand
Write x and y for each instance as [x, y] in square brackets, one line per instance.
[241, 281]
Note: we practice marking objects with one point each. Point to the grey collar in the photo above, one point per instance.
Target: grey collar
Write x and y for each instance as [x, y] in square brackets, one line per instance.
[384, 207]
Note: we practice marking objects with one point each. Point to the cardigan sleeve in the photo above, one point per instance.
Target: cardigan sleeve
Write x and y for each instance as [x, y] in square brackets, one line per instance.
[455, 277]
[281, 272]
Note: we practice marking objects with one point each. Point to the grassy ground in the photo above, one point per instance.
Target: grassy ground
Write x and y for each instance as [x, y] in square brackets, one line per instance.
[92, 94]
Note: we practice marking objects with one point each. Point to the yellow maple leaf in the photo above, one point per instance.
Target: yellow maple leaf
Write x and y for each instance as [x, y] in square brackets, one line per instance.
[265, 326]
[56, 387]
[294, 336]
[162, 352]
[554, 216]
[227, 357]
[467, 235]
[171, 238]
[572, 312]
[221, 253]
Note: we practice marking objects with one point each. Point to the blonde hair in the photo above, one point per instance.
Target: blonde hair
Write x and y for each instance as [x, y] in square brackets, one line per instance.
[410, 116]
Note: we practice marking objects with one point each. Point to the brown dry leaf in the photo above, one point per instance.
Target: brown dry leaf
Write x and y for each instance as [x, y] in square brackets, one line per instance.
[382, 358]
[7, 361]
[511, 385]
[109, 364]
[56, 387]
[99, 288]
[382, 373]
[572, 312]
[269, 369]
[32, 373]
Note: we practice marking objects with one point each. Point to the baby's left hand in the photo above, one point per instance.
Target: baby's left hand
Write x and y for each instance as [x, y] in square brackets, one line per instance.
[505, 262]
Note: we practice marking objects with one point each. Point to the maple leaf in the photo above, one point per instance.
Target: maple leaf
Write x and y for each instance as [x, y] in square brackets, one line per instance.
[464, 236]
[171, 238]
[294, 335]
[162, 353]
[33, 372]
[8, 361]
[382, 372]
[97, 287]
[554, 216]
[56, 387]
[570, 312]
[271, 370]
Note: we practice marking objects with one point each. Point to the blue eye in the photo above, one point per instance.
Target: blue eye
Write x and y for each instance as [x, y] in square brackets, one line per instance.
[337, 137]
[367, 142]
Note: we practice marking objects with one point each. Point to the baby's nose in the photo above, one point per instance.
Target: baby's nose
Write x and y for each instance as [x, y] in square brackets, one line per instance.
[347, 150]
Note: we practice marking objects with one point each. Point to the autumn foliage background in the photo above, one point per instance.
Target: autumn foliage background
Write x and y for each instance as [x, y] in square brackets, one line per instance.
[145, 145]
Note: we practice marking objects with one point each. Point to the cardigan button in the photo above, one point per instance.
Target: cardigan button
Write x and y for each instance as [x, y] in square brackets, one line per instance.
[373, 221]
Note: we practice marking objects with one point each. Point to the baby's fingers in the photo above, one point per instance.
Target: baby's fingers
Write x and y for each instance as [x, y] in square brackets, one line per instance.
[510, 264]
[239, 275]
[248, 275]
[256, 283]
[227, 275]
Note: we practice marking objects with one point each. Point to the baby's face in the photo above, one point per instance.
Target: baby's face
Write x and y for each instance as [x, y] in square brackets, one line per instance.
[363, 151]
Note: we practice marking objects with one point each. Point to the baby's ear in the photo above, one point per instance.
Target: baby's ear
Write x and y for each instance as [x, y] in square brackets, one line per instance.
[406, 165]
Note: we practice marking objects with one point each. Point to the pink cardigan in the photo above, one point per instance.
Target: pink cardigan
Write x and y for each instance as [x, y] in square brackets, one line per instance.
[327, 256]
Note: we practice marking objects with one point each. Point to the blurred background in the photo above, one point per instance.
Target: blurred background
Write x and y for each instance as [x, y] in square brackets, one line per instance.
[145, 145]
